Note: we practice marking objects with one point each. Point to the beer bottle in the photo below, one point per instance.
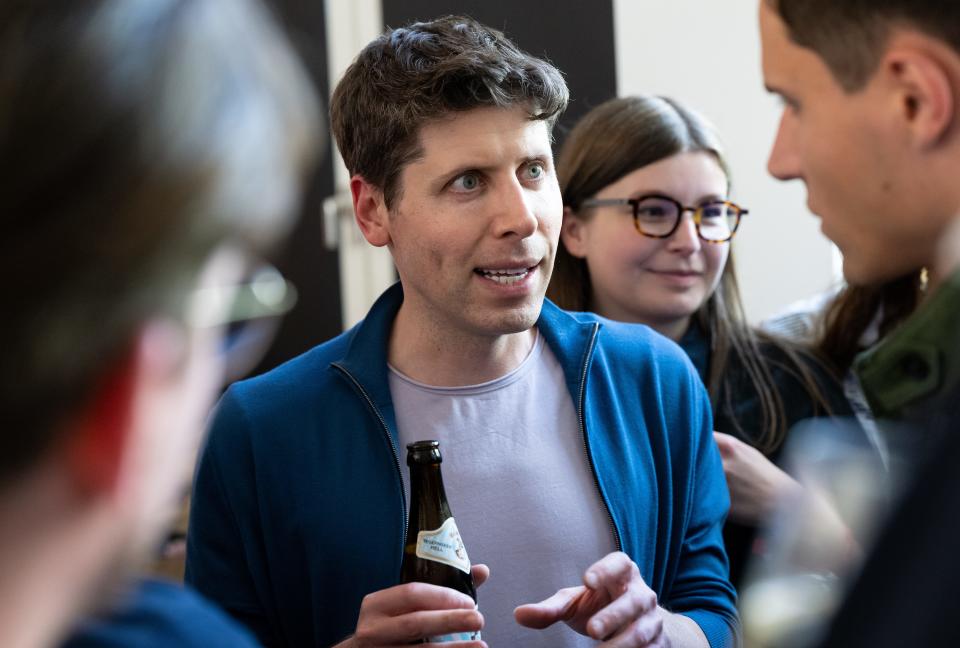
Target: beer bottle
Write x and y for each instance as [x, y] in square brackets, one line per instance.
[434, 552]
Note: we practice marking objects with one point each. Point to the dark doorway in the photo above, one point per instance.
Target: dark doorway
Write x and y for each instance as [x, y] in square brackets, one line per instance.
[312, 268]
[575, 36]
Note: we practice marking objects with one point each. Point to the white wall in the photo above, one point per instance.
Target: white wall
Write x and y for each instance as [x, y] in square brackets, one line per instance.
[703, 52]
[365, 271]
[707, 54]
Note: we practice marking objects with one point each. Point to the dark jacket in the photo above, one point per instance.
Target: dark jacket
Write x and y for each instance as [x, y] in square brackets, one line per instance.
[158, 615]
[909, 590]
[740, 415]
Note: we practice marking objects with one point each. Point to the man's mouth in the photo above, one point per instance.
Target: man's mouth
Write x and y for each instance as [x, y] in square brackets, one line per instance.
[505, 276]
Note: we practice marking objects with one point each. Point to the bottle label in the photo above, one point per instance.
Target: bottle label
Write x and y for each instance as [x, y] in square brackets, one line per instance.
[444, 545]
[459, 636]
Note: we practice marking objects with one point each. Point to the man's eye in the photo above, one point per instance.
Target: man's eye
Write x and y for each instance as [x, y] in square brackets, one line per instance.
[466, 182]
[535, 170]
[788, 103]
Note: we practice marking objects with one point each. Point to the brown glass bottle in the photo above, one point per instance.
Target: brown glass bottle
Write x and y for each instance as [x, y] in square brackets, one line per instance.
[434, 552]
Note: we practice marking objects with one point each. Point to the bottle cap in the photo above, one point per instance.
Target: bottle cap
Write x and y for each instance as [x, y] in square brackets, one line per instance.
[423, 452]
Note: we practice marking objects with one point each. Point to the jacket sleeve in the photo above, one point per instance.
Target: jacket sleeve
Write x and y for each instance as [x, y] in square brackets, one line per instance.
[701, 589]
[223, 538]
[157, 614]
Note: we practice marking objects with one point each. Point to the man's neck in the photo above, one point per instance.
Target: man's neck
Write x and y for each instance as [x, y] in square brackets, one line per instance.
[48, 562]
[947, 259]
[427, 353]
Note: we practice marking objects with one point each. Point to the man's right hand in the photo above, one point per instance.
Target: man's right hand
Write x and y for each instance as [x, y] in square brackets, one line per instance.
[400, 615]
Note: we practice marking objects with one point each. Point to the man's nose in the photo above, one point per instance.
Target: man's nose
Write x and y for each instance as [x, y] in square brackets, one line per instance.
[515, 213]
[783, 163]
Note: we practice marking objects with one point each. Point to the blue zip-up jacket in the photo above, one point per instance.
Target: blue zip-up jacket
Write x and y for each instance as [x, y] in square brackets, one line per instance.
[299, 511]
[159, 615]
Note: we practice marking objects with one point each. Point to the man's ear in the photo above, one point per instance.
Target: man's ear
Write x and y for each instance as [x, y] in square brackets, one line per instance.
[573, 234]
[99, 438]
[925, 90]
[370, 211]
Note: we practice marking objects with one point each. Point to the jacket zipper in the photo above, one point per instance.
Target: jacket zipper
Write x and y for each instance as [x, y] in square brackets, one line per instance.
[386, 433]
[586, 443]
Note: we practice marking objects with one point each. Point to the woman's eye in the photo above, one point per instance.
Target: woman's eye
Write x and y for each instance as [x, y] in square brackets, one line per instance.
[466, 182]
[654, 212]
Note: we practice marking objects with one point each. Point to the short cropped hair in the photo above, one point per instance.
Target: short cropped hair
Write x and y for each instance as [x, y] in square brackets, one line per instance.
[425, 71]
[136, 137]
[850, 35]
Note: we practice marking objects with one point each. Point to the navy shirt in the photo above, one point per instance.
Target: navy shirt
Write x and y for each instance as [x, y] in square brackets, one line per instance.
[162, 614]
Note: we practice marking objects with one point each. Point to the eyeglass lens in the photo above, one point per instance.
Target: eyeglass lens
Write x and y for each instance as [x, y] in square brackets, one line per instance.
[659, 217]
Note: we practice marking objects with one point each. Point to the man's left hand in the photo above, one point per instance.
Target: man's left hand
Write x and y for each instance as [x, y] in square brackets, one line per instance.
[614, 606]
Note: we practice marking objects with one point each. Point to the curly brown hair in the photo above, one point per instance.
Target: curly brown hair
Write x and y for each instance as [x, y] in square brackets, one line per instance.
[424, 72]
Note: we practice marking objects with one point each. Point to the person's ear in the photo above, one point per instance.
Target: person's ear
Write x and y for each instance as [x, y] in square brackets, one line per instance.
[924, 92]
[101, 435]
[371, 211]
[97, 440]
[573, 234]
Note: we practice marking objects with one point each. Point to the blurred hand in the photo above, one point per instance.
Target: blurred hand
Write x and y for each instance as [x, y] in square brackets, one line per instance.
[614, 606]
[755, 483]
[406, 613]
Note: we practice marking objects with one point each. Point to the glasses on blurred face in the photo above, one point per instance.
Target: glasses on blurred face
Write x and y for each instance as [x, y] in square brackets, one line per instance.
[249, 311]
[659, 216]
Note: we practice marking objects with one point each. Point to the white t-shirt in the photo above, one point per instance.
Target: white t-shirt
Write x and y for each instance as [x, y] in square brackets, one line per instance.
[519, 484]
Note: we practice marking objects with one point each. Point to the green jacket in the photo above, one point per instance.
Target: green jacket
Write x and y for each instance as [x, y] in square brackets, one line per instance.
[919, 362]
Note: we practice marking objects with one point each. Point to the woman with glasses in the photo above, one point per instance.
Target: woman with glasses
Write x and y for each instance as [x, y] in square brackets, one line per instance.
[646, 238]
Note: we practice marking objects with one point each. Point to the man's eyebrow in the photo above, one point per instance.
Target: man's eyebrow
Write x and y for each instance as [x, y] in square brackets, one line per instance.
[491, 167]
[460, 169]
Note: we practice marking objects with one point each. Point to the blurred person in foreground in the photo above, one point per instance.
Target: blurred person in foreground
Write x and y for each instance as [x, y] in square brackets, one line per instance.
[147, 160]
[578, 453]
[871, 124]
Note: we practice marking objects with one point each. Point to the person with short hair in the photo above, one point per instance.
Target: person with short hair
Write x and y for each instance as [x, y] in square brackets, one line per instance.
[147, 161]
[871, 94]
[578, 452]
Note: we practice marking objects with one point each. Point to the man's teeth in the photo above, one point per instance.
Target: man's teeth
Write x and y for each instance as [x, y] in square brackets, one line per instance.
[506, 276]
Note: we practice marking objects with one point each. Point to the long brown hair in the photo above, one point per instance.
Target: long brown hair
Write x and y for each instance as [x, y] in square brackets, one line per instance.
[856, 308]
[625, 134]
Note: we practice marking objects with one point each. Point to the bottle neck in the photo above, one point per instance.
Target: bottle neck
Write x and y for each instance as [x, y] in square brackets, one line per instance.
[428, 499]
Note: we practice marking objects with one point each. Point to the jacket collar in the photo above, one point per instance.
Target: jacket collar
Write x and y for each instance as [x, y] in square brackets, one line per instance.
[918, 361]
[569, 337]
[366, 355]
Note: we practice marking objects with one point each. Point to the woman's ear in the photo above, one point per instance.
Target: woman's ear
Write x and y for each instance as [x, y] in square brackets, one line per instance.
[573, 233]
[370, 210]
